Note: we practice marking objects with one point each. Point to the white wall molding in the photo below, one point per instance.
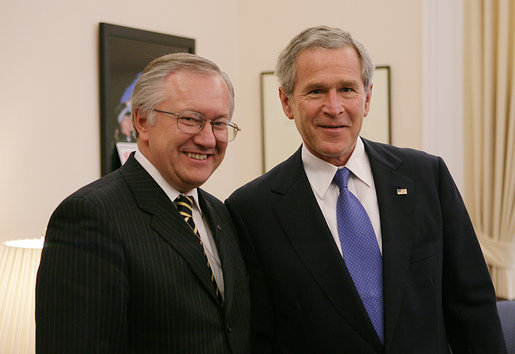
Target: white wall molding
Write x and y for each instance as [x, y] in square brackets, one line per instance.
[442, 83]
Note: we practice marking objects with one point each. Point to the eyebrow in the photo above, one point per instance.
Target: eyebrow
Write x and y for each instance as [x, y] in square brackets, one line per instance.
[319, 85]
[312, 86]
[218, 117]
[353, 83]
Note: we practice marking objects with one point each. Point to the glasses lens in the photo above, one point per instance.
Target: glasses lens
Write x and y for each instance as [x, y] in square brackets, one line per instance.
[225, 131]
[220, 130]
[193, 122]
[232, 130]
[190, 122]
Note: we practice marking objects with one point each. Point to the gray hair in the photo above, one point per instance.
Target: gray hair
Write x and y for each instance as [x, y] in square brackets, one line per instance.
[319, 37]
[150, 89]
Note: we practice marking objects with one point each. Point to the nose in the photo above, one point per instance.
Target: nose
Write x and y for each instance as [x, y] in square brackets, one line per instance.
[333, 104]
[205, 137]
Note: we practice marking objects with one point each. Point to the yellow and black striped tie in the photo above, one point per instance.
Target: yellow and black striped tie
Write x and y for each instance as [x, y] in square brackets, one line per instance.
[184, 204]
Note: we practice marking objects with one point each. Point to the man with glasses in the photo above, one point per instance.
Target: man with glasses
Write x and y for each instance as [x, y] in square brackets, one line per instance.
[143, 260]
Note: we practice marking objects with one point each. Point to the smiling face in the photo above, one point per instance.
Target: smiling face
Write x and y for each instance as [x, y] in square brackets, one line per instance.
[328, 102]
[184, 160]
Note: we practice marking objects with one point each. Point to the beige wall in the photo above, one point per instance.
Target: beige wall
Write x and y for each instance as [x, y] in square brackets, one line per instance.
[391, 31]
[49, 84]
[49, 92]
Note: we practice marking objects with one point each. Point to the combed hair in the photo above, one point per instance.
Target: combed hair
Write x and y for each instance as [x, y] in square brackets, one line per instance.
[319, 37]
[150, 90]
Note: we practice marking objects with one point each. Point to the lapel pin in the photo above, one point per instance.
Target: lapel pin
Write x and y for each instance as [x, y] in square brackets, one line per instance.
[402, 191]
[219, 227]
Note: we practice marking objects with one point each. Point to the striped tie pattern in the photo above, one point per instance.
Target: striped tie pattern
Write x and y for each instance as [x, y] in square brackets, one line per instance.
[184, 204]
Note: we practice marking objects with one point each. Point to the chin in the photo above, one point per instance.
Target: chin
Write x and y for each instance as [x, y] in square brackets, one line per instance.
[197, 181]
[334, 152]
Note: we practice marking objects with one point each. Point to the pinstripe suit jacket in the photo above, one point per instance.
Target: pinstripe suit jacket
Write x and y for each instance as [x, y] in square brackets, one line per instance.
[121, 272]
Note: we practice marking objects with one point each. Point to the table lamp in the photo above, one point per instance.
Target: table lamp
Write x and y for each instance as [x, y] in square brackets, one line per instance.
[19, 261]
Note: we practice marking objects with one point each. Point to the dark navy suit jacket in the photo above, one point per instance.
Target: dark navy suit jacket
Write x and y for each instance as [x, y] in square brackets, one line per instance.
[437, 290]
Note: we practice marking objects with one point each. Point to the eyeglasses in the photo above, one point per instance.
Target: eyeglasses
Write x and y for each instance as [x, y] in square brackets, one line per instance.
[193, 122]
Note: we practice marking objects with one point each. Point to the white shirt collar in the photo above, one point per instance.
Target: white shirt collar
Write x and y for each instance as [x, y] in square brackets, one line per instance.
[359, 164]
[170, 191]
[320, 173]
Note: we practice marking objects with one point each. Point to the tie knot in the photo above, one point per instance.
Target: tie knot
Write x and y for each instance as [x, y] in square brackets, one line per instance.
[342, 177]
[184, 204]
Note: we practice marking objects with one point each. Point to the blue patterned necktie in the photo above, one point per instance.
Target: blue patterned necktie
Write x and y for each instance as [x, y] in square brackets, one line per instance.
[360, 251]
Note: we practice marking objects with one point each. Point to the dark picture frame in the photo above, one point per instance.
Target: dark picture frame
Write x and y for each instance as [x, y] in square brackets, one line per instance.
[280, 136]
[124, 52]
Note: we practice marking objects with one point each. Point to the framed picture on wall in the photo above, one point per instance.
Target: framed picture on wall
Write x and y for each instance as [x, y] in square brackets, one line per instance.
[124, 52]
[280, 136]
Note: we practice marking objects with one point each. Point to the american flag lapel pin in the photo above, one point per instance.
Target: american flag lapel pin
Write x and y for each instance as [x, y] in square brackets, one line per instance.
[402, 191]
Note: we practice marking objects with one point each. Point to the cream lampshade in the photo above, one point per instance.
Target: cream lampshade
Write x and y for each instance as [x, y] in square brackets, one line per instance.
[19, 261]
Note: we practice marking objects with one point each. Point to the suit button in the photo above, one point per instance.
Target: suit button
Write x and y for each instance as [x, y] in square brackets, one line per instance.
[228, 328]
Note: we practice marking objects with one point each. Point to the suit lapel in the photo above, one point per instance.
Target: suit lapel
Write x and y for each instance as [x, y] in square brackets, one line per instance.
[395, 195]
[226, 245]
[299, 214]
[166, 221]
[222, 235]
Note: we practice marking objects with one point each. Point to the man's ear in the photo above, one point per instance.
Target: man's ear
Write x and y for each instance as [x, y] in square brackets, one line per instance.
[141, 124]
[368, 97]
[285, 101]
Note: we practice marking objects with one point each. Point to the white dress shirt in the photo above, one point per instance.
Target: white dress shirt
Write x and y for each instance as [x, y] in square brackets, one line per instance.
[198, 218]
[361, 183]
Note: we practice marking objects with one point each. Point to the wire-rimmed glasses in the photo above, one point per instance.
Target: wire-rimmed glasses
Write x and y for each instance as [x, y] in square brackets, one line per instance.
[190, 122]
